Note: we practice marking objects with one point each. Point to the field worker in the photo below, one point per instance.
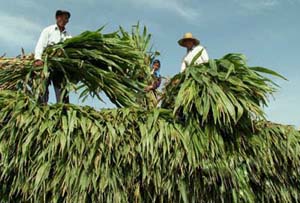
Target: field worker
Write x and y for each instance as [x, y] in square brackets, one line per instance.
[155, 72]
[193, 48]
[51, 35]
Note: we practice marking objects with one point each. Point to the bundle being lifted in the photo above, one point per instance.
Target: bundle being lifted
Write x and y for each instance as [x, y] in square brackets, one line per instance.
[208, 142]
[224, 92]
[116, 63]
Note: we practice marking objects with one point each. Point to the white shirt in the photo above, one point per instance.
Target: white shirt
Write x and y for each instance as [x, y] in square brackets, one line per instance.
[191, 54]
[49, 36]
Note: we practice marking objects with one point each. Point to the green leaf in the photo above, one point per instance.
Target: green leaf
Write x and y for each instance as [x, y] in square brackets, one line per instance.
[42, 174]
[267, 71]
[196, 57]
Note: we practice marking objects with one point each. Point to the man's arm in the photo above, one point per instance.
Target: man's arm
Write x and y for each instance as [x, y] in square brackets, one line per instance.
[41, 45]
[204, 56]
[156, 83]
[183, 66]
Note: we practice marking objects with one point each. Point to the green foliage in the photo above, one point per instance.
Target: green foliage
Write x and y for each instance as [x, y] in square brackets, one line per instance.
[66, 153]
[116, 63]
[208, 142]
[221, 92]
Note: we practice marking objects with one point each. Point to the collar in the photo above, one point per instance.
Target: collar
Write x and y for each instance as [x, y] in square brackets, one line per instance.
[57, 28]
[189, 50]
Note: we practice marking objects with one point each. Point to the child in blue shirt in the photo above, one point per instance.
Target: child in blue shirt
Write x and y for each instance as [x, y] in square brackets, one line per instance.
[156, 76]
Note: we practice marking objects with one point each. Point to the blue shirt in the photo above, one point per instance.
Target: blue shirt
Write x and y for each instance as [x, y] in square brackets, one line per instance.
[156, 74]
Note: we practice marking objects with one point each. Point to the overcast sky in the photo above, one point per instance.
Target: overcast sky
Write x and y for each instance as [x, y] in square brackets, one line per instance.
[266, 31]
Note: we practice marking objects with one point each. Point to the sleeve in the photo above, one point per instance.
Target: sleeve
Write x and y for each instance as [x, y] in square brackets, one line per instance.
[204, 56]
[41, 45]
[156, 83]
[183, 66]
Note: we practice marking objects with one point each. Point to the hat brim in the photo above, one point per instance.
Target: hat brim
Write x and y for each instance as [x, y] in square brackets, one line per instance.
[60, 13]
[181, 41]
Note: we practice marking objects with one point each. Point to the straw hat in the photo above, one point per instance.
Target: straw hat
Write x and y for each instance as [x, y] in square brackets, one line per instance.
[188, 36]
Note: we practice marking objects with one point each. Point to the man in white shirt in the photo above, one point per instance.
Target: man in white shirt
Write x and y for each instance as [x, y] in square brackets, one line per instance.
[51, 35]
[194, 49]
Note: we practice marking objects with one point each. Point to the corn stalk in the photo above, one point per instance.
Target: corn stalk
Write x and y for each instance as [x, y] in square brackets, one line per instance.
[208, 142]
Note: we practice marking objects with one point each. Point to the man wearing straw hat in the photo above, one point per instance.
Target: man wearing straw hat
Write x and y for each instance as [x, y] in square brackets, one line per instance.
[194, 50]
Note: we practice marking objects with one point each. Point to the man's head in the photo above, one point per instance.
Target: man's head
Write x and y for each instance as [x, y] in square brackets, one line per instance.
[188, 41]
[156, 64]
[62, 18]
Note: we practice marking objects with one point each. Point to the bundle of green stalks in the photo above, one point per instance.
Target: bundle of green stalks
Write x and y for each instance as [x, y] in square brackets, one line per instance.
[208, 142]
[115, 63]
[224, 92]
[66, 153]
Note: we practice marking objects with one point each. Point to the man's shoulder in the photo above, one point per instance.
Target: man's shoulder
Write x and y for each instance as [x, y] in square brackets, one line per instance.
[198, 47]
[49, 28]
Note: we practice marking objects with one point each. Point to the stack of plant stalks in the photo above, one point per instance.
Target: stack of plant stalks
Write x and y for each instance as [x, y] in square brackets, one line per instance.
[208, 142]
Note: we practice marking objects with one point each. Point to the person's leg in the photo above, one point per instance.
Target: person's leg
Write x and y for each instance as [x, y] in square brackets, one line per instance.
[66, 98]
[43, 99]
[58, 88]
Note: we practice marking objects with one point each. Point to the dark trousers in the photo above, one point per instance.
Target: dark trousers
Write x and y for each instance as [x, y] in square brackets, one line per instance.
[58, 85]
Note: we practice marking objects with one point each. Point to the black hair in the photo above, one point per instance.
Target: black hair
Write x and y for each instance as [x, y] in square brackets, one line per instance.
[156, 61]
[62, 12]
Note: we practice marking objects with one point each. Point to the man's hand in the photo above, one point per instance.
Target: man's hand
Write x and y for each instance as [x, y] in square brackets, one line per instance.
[38, 63]
[148, 88]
